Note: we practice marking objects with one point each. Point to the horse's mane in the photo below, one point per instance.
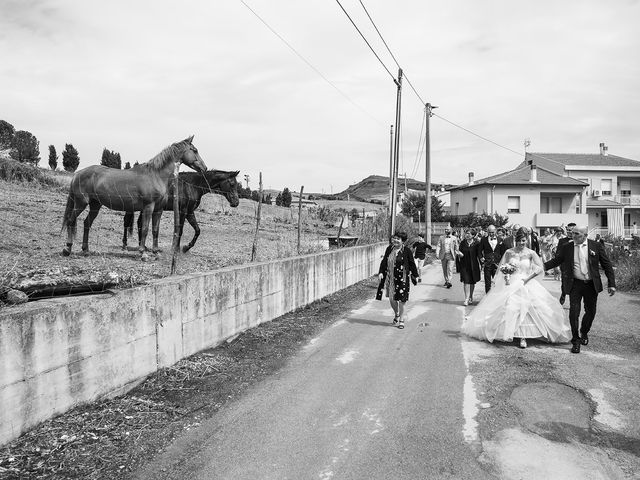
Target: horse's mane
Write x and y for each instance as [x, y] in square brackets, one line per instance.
[160, 160]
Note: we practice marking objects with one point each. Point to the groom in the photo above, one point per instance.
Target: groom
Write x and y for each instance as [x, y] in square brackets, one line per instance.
[491, 250]
[580, 262]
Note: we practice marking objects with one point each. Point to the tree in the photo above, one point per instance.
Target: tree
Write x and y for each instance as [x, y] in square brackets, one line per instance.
[266, 199]
[70, 158]
[286, 197]
[6, 134]
[53, 157]
[279, 199]
[255, 196]
[474, 220]
[111, 159]
[25, 147]
[414, 204]
[127, 166]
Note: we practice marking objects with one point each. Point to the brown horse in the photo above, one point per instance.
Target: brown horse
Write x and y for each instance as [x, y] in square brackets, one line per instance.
[143, 189]
[191, 188]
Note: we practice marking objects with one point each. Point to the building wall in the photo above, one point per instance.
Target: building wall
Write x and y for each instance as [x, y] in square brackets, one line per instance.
[57, 354]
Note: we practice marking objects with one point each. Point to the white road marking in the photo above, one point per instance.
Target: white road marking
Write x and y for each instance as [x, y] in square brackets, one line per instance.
[605, 413]
[348, 356]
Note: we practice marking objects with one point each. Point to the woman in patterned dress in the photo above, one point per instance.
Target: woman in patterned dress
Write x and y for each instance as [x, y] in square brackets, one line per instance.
[396, 270]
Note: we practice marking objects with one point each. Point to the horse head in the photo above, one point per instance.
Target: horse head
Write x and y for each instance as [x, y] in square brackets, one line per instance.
[224, 183]
[190, 156]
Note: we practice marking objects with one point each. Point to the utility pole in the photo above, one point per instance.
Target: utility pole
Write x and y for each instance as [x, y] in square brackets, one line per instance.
[390, 170]
[396, 155]
[427, 160]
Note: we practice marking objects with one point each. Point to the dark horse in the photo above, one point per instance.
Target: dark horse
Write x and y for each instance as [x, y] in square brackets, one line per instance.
[191, 188]
[143, 189]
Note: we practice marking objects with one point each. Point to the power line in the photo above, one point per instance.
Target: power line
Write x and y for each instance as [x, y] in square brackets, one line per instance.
[299, 55]
[390, 52]
[366, 41]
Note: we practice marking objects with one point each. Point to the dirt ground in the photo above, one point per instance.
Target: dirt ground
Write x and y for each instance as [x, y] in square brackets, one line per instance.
[112, 437]
[30, 248]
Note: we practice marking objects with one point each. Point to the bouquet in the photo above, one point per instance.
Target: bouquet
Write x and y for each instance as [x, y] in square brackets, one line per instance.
[507, 269]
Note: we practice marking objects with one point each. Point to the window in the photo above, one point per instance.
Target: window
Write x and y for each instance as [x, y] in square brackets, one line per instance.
[605, 186]
[475, 204]
[457, 208]
[513, 204]
[550, 205]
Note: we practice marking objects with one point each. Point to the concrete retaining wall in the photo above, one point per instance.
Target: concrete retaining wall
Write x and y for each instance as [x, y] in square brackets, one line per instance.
[56, 354]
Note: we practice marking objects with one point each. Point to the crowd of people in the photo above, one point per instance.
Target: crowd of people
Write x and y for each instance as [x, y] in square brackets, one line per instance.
[515, 305]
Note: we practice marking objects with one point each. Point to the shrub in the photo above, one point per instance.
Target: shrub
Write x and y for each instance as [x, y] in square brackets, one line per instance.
[14, 171]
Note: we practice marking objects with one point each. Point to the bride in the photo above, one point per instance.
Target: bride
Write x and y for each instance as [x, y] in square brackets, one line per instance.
[518, 306]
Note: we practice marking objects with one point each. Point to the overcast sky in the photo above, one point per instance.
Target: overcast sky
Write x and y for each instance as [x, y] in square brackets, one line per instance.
[135, 76]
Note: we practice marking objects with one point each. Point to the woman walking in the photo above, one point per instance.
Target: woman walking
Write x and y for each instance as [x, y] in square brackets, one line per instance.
[469, 264]
[396, 269]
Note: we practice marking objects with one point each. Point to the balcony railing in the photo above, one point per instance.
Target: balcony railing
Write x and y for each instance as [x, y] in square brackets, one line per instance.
[631, 200]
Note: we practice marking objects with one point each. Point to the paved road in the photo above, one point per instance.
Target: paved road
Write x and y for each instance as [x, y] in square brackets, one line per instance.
[364, 400]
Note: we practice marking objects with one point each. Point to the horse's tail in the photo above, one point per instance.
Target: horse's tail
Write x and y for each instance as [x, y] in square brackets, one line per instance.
[67, 215]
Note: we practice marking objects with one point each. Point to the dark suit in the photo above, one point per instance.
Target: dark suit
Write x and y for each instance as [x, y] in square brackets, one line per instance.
[563, 241]
[490, 258]
[509, 242]
[534, 243]
[579, 290]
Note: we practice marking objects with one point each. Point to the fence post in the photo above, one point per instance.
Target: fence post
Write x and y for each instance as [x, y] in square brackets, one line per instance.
[299, 216]
[176, 220]
[255, 238]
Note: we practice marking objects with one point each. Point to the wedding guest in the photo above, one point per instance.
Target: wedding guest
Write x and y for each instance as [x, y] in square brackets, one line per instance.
[396, 270]
[469, 264]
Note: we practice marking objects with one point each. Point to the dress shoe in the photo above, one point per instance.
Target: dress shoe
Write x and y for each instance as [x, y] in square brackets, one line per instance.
[575, 348]
[562, 296]
[584, 340]
[449, 285]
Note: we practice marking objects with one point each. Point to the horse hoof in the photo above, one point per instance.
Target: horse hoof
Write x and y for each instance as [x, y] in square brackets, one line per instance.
[185, 249]
[66, 252]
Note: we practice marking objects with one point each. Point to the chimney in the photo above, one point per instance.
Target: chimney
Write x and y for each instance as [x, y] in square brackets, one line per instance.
[603, 148]
[470, 178]
[534, 174]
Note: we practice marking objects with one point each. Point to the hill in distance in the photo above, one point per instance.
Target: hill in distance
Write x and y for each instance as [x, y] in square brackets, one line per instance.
[376, 187]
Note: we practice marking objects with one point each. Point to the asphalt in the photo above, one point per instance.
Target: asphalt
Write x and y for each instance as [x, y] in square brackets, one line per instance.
[366, 400]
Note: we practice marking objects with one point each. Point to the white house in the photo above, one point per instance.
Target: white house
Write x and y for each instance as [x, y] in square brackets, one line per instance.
[551, 189]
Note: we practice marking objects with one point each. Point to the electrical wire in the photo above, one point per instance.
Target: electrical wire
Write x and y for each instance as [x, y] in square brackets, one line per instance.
[299, 55]
[390, 52]
[367, 42]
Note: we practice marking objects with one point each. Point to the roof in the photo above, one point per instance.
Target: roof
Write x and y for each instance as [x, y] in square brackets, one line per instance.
[558, 162]
[521, 176]
[603, 203]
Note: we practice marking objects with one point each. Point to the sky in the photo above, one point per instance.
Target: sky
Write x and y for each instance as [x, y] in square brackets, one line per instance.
[298, 95]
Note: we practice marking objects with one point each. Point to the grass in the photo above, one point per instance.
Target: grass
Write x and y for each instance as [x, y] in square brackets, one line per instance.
[14, 171]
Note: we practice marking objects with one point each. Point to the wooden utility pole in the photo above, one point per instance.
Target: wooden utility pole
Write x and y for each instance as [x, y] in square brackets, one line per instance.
[390, 169]
[427, 160]
[299, 216]
[396, 155]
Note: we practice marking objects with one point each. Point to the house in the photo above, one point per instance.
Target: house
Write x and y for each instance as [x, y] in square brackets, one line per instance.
[551, 189]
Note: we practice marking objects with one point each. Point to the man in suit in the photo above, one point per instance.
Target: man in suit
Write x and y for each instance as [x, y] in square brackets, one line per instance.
[510, 240]
[582, 260]
[532, 240]
[561, 242]
[491, 251]
[446, 252]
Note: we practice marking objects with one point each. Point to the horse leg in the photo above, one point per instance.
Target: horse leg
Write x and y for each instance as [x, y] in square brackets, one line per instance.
[139, 223]
[128, 228]
[155, 228]
[75, 206]
[94, 208]
[145, 215]
[191, 218]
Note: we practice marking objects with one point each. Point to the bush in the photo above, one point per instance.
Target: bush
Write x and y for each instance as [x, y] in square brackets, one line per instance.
[14, 171]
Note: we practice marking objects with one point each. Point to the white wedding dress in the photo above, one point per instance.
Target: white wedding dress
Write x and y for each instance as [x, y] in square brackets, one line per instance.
[516, 310]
